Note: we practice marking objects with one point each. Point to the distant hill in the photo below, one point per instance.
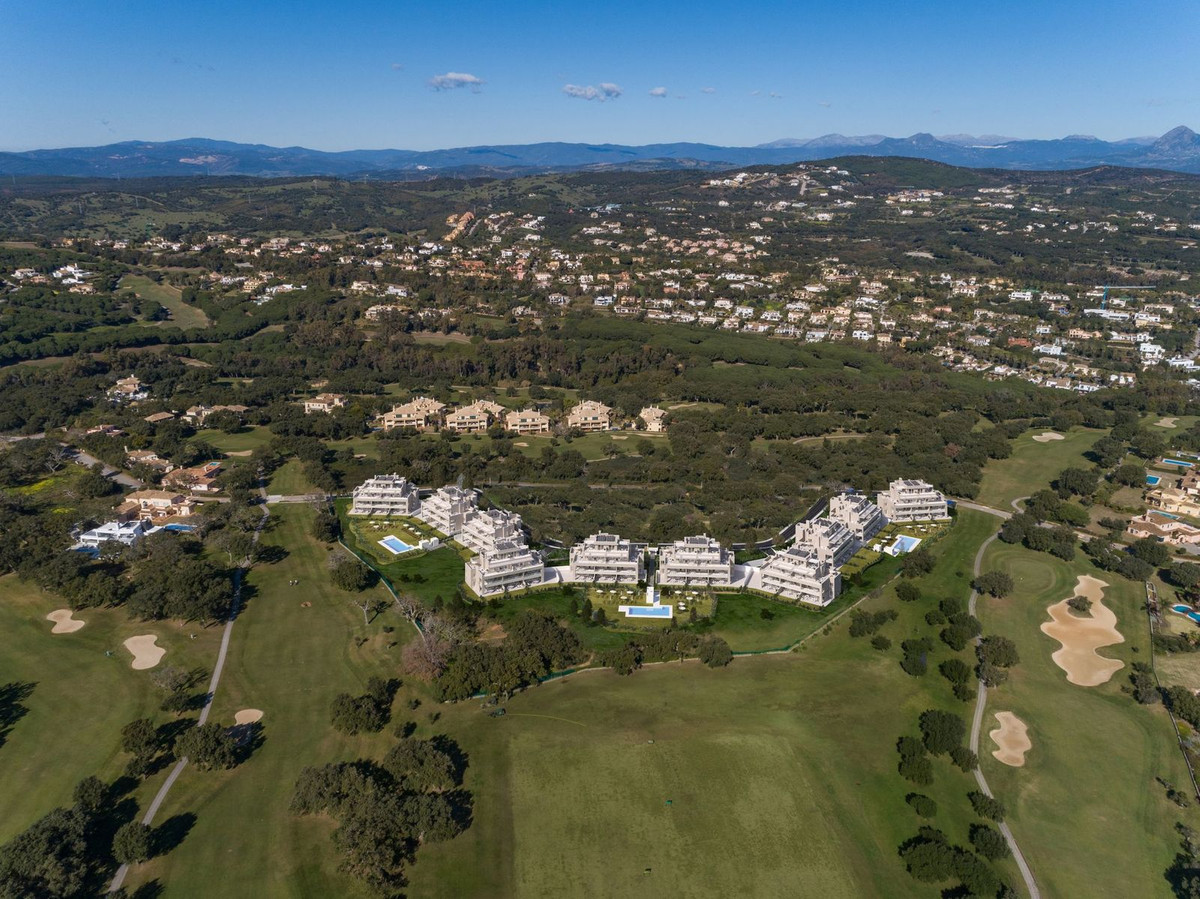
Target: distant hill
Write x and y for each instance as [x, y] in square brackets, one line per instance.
[1177, 150]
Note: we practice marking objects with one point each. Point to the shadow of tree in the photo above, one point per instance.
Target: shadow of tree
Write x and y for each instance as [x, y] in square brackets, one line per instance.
[172, 832]
[249, 738]
[12, 705]
[271, 554]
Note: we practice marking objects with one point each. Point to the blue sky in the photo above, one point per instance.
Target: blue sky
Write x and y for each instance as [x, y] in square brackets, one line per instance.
[351, 74]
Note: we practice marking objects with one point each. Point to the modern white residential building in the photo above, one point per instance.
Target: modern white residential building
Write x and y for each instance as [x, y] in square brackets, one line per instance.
[127, 532]
[694, 561]
[526, 422]
[590, 416]
[385, 494]
[909, 500]
[607, 559]
[798, 573]
[509, 565]
[860, 516]
[831, 539]
[422, 413]
[447, 509]
[488, 528]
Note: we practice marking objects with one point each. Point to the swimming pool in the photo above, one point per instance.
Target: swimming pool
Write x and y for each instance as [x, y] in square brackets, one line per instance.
[395, 545]
[1177, 462]
[647, 611]
[1152, 479]
[903, 544]
[1164, 514]
[1186, 610]
[179, 528]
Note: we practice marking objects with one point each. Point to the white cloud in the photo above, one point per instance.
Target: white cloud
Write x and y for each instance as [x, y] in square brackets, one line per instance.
[824, 103]
[775, 96]
[658, 92]
[605, 90]
[397, 67]
[452, 80]
[708, 90]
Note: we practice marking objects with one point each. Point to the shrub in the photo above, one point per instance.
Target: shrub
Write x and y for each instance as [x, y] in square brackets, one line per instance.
[906, 591]
[880, 642]
[988, 842]
[986, 806]
[921, 804]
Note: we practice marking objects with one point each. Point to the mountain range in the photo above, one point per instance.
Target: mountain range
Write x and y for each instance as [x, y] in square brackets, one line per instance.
[1177, 150]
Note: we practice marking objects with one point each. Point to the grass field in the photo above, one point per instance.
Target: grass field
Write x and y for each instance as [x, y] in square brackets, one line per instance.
[182, 315]
[80, 700]
[1032, 465]
[1085, 808]
[289, 480]
[251, 438]
[289, 661]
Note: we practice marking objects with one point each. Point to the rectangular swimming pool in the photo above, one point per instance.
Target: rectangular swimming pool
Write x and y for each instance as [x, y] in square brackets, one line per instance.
[648, 612]
[395, 545]
[1152, 479]
[1177, 462]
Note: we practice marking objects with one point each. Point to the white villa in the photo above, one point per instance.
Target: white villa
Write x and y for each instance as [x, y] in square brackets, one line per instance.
[385, 494]
[422, 413]
[448, 509]
[127, 532]
[800, 574]
[607, 559]
[831, 539]
[860, 516]
[590, 416]
[324, 402]
[509, 565]
[909, 500]
[486, 529]
[692, 561]
[654, 418]
[526, 422]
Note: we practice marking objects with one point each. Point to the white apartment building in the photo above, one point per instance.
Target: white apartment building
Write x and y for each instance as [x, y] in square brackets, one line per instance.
[447, 509]
[654, 418]
[798, 573]
[832, 540]
[590, 416]
[910, 500]
[486, 529]
[127, 532]
[693, 561]
[385, 494]
[607, 559]
[860, 516]
[509, 565]
[526, 422]
[475, 418]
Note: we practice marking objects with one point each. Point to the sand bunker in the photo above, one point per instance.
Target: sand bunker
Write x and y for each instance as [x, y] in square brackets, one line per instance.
[520, 443]
[1082, 636]
[63, 622]
[1166, 422]
[248, 716]
[1012, 738]
[145, 653]
[1047, 436]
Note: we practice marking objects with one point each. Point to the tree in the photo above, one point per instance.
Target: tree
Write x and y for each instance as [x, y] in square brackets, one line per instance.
[989, 842]
[941, 731]
[906, 591]
[917, 563]
[994, 583]
[1185, 575]
[714, 652]
[350, 575]
[921, 804]
[1150, 551]
[999, 651]
[986, 806]
[208, 747]
[140, 738]
[1076, 482]
[132, 843]
[1131, 474]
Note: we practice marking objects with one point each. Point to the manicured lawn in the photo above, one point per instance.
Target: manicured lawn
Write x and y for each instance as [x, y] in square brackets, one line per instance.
[289, 661]
[182, 315]
[1032, 465]
[81, 698]
[289, 480]
[250, 438]
[1085, 808]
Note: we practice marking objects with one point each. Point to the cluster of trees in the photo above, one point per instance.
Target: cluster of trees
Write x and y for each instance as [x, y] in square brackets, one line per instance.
[930, 857]
[1025, 528]
[369, 712]
[387, 810]
[665, 646]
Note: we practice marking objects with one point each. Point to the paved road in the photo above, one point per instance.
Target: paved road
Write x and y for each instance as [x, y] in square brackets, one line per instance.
[977, 721]
[148, 819]
[113, 474]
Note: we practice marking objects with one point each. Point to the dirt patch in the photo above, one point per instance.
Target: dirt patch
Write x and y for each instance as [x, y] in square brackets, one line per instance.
[1081, 636]
[248, 716]
[520, 443]
[63, 622]
[621, 437]
[1012, 740]
[240, 453]
[145, 653]
[493, 633]
[682, 405]
[1166, 422]
[1047, 436]
[306, 604]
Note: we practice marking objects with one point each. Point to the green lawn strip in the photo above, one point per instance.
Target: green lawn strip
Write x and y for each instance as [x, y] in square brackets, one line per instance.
[80, 700]
[1085, 807]
[182, 315]
[250, 438]
[1032, 465]
[289, 661]
[289, 480]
